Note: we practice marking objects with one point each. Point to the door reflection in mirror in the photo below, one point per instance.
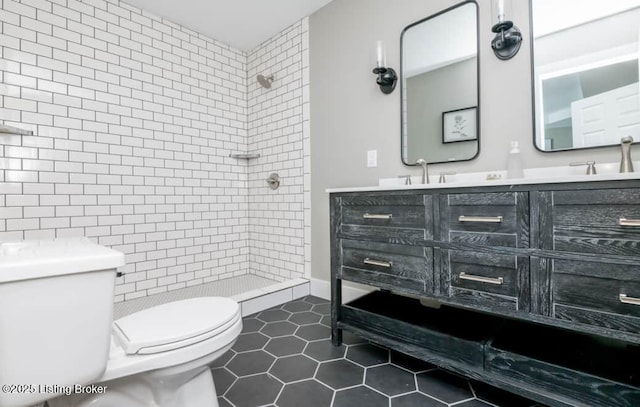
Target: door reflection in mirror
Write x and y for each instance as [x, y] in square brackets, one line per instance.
[585, 56]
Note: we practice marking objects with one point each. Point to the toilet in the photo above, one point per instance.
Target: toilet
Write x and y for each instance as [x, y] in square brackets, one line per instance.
[58, 341]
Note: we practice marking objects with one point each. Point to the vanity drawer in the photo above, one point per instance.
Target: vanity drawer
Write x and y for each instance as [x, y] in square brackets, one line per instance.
[603, 295]
[388, 266]
[387, 216]
[491, 281]
[482, 279]
[488, 219]
[602, 221]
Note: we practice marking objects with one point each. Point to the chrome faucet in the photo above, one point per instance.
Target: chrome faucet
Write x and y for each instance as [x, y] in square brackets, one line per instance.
[591, 167]
[626, 165]
[407, 179]
[443, 177]
[425, 172]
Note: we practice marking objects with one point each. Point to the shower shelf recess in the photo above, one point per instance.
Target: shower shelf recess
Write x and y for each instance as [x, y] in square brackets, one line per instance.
[244, 156]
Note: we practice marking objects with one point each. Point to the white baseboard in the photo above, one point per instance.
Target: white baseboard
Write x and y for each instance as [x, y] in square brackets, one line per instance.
[322, 289]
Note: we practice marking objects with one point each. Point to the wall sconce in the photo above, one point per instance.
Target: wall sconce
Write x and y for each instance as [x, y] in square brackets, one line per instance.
[387, 77]
[506, 43]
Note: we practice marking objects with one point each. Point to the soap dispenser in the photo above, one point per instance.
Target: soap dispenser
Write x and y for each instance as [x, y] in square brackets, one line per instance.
[514, 161]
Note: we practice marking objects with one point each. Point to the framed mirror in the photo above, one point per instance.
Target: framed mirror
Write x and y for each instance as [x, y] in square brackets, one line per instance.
[585, 73]
[440, 87]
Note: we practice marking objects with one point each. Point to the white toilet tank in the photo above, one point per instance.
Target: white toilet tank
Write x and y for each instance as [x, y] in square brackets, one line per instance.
[56, 309]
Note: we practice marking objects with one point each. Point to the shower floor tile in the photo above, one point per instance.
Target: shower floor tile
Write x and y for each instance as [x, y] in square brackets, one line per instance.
[235, 287]
[297, 366]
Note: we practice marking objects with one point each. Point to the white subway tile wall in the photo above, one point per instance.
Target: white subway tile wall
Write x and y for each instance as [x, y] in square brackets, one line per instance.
[277, 119]
[134, 118]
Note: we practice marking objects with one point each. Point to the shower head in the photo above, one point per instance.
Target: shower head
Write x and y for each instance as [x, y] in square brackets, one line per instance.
[265, 81]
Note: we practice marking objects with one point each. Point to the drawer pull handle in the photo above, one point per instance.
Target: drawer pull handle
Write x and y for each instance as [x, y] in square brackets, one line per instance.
[629, 300]
[488, 280]
[628, 222]
[480, 219]
[377, 216]
[380, 263]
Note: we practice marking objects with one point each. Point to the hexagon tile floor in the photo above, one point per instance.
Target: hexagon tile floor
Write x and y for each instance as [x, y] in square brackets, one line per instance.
[284, 358]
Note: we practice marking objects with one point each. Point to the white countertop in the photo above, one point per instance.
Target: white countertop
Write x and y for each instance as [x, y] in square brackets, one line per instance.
[532, 176]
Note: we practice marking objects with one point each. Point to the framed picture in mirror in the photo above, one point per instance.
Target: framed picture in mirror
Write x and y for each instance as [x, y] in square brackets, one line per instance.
[439, 73]
[459, 125]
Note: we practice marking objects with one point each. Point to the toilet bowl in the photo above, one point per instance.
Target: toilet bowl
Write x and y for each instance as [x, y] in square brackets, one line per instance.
[161, 356]
[58, 341]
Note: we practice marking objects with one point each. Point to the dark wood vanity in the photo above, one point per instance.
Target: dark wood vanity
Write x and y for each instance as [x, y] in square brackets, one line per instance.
[539, 285]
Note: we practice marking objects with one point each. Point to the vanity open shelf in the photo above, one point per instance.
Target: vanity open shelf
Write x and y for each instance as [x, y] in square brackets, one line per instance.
[587, 369]
[446, 336]
[554, 366]
[539, 284]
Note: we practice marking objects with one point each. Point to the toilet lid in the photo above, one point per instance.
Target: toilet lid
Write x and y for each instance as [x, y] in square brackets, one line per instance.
[175, 324]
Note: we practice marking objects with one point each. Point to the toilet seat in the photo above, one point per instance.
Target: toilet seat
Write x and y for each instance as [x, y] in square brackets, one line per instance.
[203, 339]
[173, 325]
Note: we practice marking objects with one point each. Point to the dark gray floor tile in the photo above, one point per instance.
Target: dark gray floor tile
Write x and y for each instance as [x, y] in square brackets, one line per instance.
[324, 309]
[285, 346]
[222, 378]
[251, 325]
[308, 393]
[254, 391]
[390, 380]
[281, 328]
[305, 318]
[250, 341]
[294, 368]
[326, 320]
[222, 360]
[359, 397]
[410, 363]
[273, 315]
[297, 306]
[247, 383]
[415, 400]
[313, 332]
[444, 386]
[339, 374]
[367, 354]
[315, 300]
[248, 363]
[324, 350]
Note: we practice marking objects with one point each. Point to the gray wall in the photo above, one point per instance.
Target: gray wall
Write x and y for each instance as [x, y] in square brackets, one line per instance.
[349, 114]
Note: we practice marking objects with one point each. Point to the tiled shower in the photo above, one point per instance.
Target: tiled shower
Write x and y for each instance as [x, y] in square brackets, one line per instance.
[134, 120]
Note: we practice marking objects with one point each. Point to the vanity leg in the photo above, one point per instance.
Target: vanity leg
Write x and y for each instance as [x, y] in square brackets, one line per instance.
[336, 302]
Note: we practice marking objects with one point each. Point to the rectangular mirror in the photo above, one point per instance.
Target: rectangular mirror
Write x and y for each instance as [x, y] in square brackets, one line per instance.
[585, 73]
[440, 87]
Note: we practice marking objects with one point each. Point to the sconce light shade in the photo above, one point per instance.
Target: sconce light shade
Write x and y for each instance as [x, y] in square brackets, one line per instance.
[508, 39]
[387, 77]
